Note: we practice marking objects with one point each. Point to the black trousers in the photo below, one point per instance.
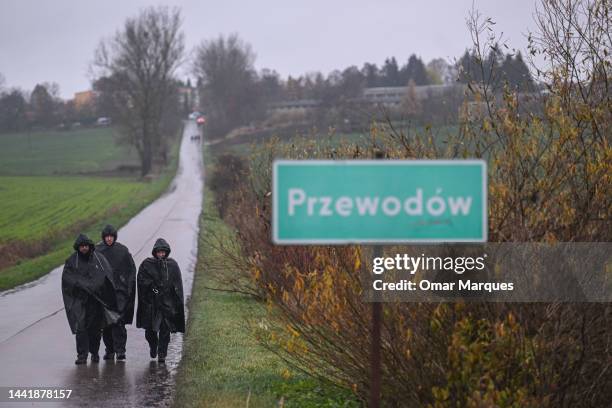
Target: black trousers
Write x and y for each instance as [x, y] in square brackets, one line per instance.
[115, 337]
[88, 341]
[159, 341]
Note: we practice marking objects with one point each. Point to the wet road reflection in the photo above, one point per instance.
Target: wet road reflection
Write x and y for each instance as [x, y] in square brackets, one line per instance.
[36, 346]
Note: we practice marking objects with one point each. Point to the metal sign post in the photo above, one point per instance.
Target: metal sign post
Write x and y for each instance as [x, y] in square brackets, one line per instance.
[378, 202]
[375, 335]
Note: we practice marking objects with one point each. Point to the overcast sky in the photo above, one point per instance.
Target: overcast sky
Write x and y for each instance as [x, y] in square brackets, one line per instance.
[54, 40]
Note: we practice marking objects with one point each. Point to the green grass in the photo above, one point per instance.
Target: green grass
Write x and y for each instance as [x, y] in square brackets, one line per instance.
[243, 148]
[33, 208]
[79, 204]
[41, 215]
[223, 365]
[48, 152]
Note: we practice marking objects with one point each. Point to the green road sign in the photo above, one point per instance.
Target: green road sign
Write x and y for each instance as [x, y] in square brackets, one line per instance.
[379, 201]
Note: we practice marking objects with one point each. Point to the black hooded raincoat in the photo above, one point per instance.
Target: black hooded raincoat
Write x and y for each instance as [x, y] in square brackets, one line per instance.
[124, 274]
[88, 289]
[160, 292]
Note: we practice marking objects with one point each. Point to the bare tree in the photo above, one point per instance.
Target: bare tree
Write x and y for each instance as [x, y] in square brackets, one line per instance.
[13, 111]
[411, 105]
[138, 65]
[574, 38]
[229, 91]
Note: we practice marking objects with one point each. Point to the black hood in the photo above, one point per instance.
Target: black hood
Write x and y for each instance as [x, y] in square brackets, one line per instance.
[161, 244]
[83, 239]
[109, 230]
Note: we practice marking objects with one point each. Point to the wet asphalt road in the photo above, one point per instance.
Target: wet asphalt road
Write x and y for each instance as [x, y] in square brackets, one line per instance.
[37, 348]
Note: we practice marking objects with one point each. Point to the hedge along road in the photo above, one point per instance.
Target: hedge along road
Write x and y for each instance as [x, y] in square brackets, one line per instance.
[37, 348]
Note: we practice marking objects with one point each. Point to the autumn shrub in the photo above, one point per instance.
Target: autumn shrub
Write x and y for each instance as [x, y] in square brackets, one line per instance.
[549, 177]
[229, 173]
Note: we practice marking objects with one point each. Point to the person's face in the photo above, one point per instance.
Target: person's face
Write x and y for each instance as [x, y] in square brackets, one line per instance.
[109, 239]
[160, 254]
[84, 249]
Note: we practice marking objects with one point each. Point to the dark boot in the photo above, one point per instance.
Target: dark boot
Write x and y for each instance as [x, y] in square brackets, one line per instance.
[95, 358]
[81, 359]
[161, 358]
[164, 340]
[82, 343]
[120, 357]
[119, 338]
[107, 337]
[152, 339]
[94, 337]
[109, 355]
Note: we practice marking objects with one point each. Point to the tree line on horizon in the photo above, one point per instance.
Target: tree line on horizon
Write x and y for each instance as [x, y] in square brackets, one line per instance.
[233, 93]
[40, 108]
[136, 83]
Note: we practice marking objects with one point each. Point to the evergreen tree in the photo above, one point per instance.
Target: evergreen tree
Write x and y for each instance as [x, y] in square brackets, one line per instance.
[521, 75]
[416, 71]
[370, 72]
[492, 66]
[390, 73]
[516, 73]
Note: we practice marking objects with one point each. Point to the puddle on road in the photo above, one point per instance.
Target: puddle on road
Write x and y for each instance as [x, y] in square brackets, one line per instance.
[117, 384]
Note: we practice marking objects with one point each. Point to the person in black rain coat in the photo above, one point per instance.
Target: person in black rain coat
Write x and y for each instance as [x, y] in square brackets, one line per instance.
[124, 277]
[89, 297]
[160, 299]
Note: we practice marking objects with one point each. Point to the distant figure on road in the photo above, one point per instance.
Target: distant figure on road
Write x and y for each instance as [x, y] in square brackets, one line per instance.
[89, 297]
[124, 278]
[160, 299]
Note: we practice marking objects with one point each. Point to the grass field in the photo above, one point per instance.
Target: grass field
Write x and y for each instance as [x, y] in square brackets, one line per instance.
[243, 146]
[223, 365]
[33, 208]
[40, 216]
[45, 153]
[44, 204]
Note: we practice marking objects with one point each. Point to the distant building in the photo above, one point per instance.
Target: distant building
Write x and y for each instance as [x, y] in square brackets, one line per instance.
[295, 105]
[393, 96]
[84, 99]
[387, 96]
